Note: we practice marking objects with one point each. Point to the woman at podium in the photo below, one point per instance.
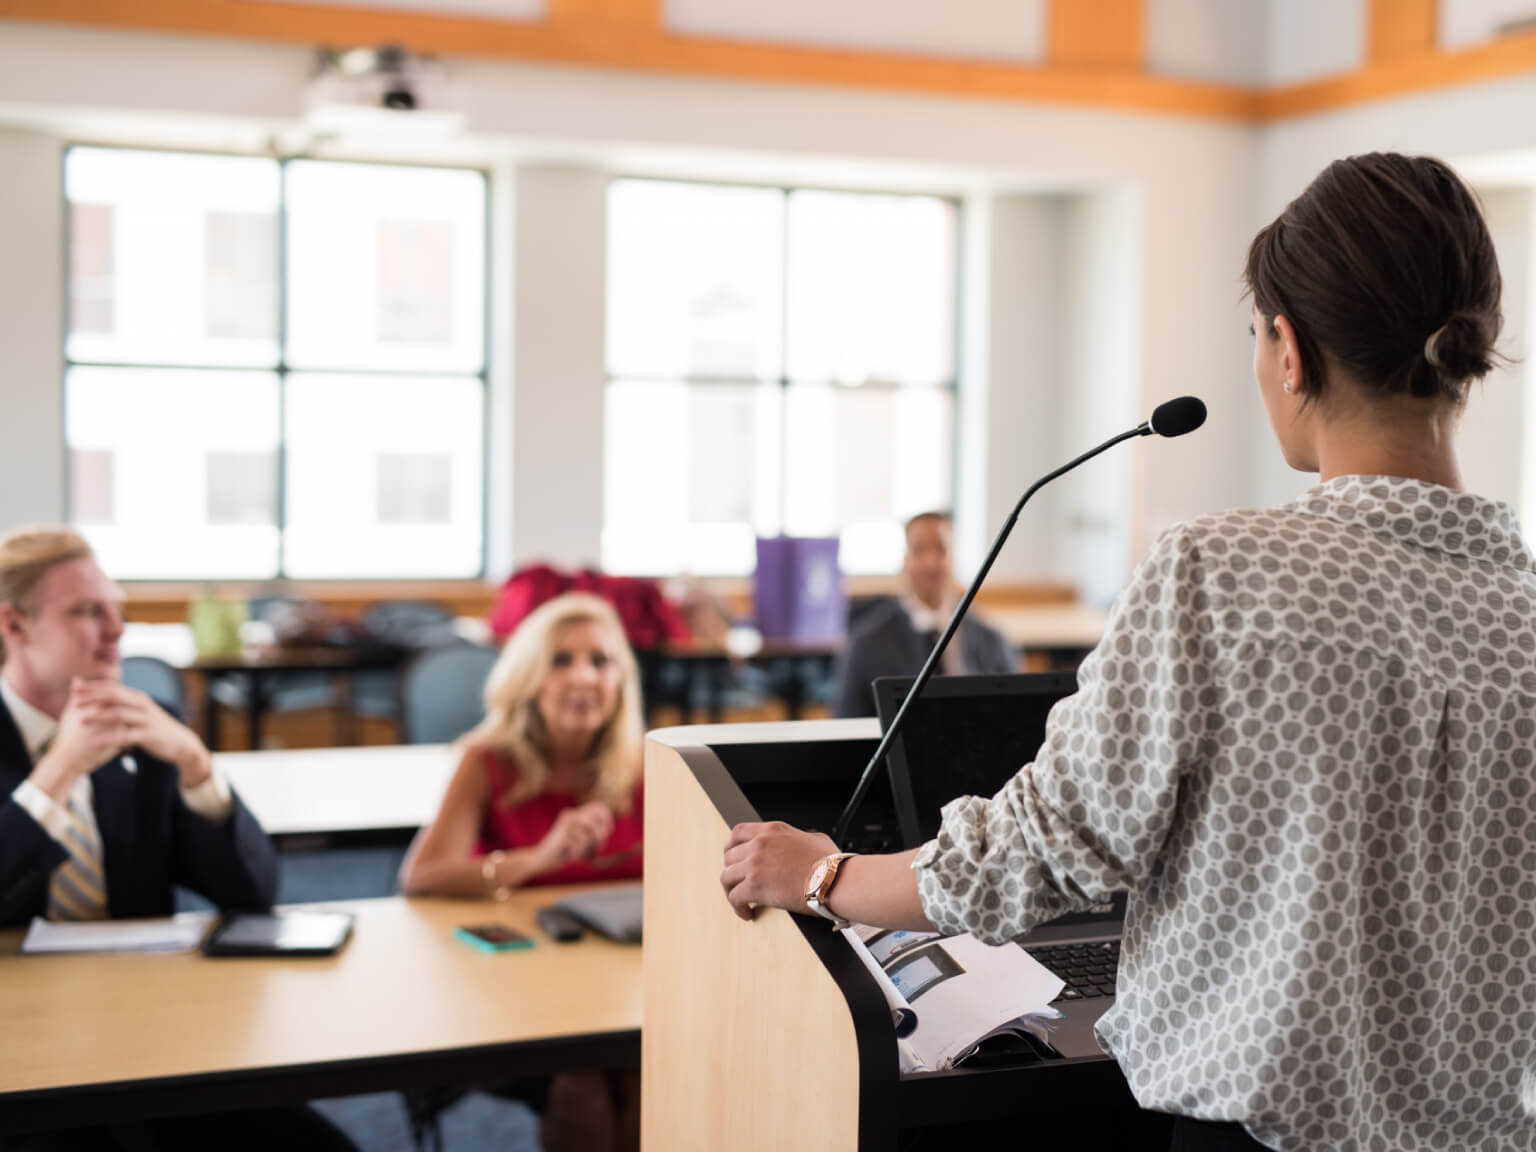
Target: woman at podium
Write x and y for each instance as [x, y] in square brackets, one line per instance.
[1305, 744]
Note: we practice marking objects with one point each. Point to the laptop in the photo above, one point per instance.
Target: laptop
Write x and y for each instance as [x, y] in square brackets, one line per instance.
[968, 736]
[617, 913]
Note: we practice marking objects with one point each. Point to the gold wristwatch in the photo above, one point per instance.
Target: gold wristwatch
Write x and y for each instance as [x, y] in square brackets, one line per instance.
[818, 886]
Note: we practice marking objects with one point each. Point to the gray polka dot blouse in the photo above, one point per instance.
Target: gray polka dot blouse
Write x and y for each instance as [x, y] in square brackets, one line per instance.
[1307, 746]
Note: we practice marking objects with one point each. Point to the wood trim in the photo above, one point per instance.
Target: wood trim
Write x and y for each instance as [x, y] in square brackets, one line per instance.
[1400, 29]
[168, 603]
[1498, 60]
[624, 34]
[1096, 33]
[1089, 67]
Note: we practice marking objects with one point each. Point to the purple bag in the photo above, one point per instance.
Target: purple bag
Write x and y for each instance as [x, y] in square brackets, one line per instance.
[798, 591]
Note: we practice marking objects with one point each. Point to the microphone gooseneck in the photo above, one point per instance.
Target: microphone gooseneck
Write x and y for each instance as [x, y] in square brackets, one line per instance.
[1173, 418]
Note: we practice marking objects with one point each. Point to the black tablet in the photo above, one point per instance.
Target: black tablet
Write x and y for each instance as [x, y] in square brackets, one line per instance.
[283, 933]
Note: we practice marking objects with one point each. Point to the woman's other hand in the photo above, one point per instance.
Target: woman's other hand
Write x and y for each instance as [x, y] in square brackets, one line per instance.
[576, 832]
[767, 865]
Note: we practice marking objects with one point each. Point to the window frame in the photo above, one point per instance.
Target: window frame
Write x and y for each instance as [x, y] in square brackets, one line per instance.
[784, 382]
[281, 369]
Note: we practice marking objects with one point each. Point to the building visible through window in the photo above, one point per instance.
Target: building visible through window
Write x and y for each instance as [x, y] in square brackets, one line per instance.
[249, 401]
[90, 267]
[795, 351]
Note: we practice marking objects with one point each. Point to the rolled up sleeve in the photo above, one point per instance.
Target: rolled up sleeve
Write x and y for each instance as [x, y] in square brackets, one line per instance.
[1089, 816]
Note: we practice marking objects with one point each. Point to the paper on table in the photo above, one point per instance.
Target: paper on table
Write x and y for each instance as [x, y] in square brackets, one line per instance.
[180, 933]
[960, 990]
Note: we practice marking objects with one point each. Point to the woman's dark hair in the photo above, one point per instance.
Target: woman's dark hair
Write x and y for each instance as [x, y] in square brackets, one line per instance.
[1384, 267]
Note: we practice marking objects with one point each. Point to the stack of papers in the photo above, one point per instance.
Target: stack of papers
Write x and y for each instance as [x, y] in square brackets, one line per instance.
[179, 933]
[949, 993]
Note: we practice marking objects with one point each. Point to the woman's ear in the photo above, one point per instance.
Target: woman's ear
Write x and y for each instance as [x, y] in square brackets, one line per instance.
[1294, 380]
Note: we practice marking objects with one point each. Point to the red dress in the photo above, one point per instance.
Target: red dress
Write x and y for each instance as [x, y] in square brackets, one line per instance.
[526, 824]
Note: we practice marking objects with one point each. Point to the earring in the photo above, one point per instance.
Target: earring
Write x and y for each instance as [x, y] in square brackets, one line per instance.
[1286, 386]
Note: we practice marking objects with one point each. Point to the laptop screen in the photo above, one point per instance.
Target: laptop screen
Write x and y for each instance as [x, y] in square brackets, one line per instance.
[964, 736]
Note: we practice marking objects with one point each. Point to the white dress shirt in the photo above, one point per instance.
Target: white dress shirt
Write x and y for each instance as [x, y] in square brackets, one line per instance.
[926, 619]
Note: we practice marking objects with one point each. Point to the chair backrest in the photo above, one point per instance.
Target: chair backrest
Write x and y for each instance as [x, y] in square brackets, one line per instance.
[409, 623]
[158, 680]
[443, 692]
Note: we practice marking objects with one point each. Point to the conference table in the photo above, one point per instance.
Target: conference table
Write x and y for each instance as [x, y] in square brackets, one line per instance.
[107, 1038]
[333, 797]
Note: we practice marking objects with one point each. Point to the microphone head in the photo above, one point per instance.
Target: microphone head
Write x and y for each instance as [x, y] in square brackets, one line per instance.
[1176, 417]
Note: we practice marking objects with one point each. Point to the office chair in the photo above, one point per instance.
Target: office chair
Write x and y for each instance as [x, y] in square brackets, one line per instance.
[408, 625]
[159, 681]
[442, 692]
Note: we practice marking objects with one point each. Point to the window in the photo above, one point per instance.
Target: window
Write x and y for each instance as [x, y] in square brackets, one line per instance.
[779, 361]
[275, 368]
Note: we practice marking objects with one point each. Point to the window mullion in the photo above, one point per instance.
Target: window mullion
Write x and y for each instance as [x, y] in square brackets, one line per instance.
[280, 513]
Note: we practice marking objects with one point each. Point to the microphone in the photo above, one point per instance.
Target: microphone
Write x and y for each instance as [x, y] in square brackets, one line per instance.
[1172, 418]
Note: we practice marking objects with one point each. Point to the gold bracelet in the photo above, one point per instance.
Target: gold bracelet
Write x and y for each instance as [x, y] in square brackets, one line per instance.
[489, 872]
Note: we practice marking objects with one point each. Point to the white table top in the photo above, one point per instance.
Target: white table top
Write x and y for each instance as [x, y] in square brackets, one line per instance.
[315, 790]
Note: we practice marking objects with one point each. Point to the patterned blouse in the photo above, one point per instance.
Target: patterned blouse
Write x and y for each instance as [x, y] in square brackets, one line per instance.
[1307, 746]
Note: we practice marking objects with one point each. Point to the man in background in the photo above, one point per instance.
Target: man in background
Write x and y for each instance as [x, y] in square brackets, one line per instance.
[894, 637]
[107, 802]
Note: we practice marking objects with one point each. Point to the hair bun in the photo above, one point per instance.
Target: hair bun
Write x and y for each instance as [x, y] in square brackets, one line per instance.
[1461, 348]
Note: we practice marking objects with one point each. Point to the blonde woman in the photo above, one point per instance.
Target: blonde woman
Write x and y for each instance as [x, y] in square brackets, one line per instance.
[548, 788]
[548, 791]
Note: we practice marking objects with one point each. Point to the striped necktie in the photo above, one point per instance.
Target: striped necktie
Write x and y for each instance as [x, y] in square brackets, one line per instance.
[77, 890]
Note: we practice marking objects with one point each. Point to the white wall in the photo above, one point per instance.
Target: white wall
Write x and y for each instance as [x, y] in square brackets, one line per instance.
[995, 29]
[1467, 22]
[1012, 389]
[1103, 324]
[1492, 436]
[1220, 40]
[31, 329]
[1473, 127]
[557, 365]
[1312, 39]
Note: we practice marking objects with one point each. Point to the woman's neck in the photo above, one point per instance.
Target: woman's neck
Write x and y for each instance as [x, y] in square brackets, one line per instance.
[568, 766]
[1393, 436]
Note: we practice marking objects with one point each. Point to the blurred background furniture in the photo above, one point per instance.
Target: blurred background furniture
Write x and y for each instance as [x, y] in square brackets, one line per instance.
[442, 692]
[411, 626]
[274, 687]
[159, 680]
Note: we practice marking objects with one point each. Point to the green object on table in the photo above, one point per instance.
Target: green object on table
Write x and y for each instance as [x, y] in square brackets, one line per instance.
[215, 623]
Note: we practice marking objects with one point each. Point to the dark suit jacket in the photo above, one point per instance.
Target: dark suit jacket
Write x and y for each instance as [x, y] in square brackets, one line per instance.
[150, 842]
[884, 643]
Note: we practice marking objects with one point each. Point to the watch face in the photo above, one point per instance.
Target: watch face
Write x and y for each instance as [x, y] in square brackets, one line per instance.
[818, 874]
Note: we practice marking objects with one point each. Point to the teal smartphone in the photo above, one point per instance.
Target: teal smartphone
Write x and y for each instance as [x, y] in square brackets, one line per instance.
[492, 937]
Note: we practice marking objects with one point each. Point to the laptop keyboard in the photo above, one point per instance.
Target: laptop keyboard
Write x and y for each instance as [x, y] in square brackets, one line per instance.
[1088, 969]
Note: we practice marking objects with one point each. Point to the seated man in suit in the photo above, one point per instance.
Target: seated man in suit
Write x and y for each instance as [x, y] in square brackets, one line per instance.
[108, 800]
[894, 637]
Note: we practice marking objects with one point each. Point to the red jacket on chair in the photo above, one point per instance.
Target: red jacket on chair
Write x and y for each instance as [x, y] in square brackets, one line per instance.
[649, 618]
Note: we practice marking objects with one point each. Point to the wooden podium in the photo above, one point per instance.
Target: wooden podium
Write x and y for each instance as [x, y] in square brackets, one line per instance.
[770, 1034]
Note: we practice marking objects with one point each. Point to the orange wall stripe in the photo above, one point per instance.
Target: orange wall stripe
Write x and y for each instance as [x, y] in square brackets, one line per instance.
[627, 34]
[1401, 29]
[1498, 60]
[1095, 33]
[622, 34]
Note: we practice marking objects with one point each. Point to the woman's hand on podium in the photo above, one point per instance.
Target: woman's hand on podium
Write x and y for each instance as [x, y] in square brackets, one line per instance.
[766, 865]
